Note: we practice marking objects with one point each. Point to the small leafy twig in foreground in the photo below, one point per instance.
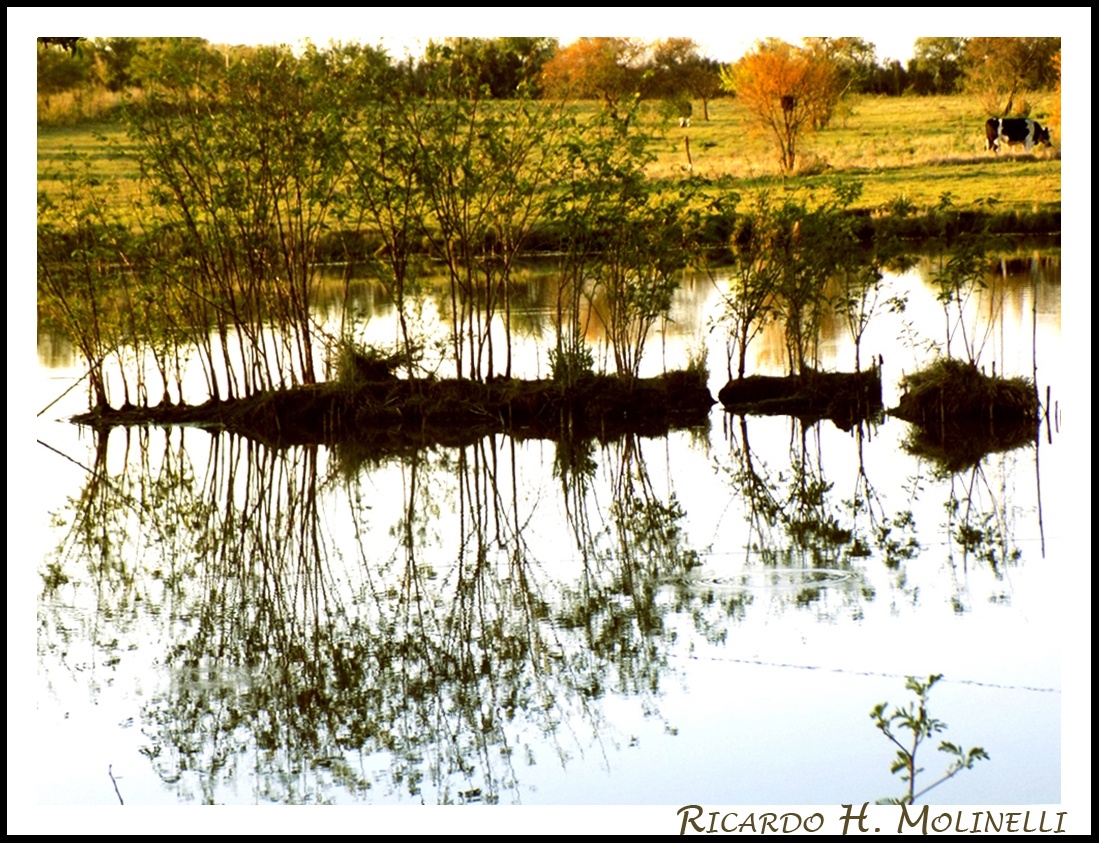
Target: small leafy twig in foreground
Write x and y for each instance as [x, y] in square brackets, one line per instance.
[915, 719]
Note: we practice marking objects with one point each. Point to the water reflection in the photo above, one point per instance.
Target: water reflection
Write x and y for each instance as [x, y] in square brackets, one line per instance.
[797, 525]
[799, 533]
[315, 664]
[451, 624]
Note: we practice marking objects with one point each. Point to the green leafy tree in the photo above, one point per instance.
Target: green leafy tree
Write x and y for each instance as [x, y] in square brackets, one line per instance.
[958, 274]
[704, 83]
[751, 282]
[384, 196]
[61, 70]
[796, 260]
[114, 57]
[163, 64]
[676, 68]
[890, 79]
[936, 65]
[77, 222]
[1002, 71]
[483, 168]
[244, 157]
[860, 294]
[855, 60]
[507, 67]
[626, 240]
[786, 255]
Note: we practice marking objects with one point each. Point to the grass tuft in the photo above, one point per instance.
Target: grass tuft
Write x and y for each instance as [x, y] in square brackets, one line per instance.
[957, 390]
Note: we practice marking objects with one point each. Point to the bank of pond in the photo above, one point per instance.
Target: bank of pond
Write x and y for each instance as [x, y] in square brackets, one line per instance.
[867, 225]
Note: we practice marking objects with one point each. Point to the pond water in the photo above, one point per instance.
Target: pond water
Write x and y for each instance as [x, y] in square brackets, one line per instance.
[703, 617]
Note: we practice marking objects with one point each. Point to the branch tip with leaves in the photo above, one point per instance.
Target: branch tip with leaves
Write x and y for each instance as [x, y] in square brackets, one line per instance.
[915, 720]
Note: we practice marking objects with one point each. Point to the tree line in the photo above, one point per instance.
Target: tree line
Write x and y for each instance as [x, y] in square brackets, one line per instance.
[674, 70]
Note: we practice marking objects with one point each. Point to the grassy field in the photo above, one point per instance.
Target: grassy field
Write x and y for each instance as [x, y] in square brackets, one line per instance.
[916, 148]
[102, 147]
[912, 148]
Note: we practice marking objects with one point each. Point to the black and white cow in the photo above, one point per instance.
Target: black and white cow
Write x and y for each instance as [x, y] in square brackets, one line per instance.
[1013, 130]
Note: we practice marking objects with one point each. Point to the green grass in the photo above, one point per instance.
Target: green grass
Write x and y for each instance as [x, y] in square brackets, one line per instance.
[911, 147]
[104, 146]
[918, 148]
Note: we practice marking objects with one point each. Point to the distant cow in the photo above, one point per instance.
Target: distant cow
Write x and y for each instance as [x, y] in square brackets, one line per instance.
[1013, 130]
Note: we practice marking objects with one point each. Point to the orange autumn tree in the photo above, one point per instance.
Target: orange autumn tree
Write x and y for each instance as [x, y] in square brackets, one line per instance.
[789, 90]
[595, 68]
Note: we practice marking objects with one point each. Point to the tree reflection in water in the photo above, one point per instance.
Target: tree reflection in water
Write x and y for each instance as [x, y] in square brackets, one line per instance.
[626, 558]
[804, 539]
[796, 523]
[324, 638]
[313, 667]
[318, 624]
[980, 525]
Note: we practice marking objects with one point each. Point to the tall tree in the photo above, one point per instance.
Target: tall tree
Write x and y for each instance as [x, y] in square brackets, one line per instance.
[608, 69]
[704, 83]
[1001, 70]
[936, 65]
[506, 66]
[677, 68]
[1055, 111]
[59, 68]
[175, 63]
[244, 155]
[625, 239]
[480, 169]
[114, 56]
[787, 88]
[855, 60]
[890, 79]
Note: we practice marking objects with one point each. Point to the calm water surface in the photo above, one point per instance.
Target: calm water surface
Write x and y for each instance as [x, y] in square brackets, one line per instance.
[703, 617]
